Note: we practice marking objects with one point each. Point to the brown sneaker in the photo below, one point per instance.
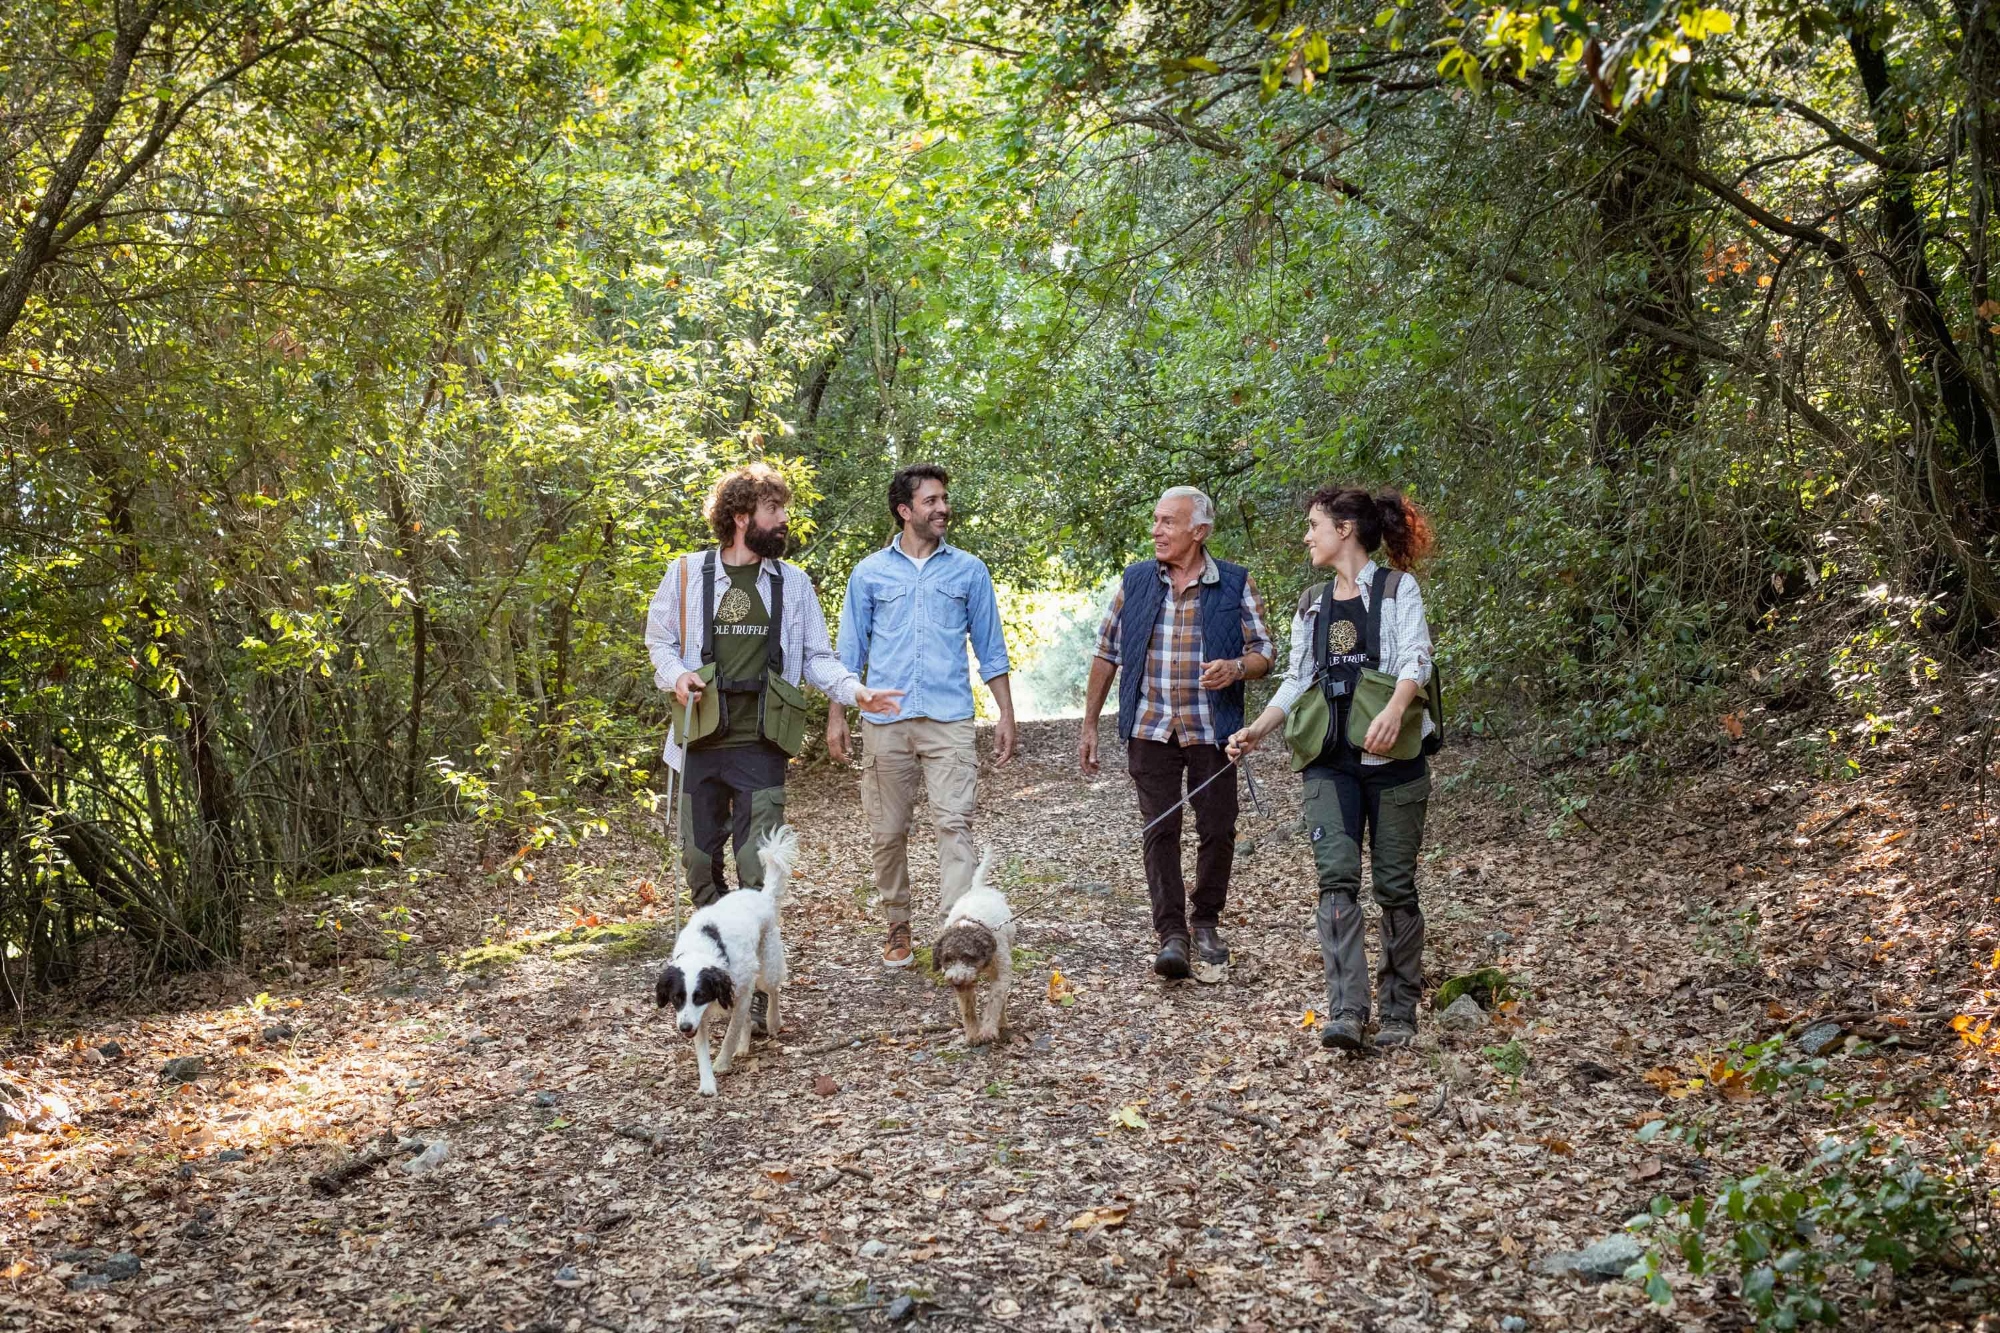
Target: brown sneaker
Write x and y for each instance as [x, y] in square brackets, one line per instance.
[896, 953]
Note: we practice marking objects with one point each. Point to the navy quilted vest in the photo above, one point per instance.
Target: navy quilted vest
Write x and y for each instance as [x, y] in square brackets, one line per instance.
[1221, 636]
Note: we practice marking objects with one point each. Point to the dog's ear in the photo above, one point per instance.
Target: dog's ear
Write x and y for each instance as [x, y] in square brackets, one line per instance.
[714, 986]
[967, 943]
[671, 990]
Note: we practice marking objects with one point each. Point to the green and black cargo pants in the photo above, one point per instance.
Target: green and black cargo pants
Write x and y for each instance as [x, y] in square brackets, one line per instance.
[1346, 800]
[732, 793]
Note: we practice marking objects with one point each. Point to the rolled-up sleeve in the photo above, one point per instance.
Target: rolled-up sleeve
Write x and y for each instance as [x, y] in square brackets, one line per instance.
[1107, 630]
[1298, 675]
[989, 642]
[663, 635]
[1256, 630]
[1413, 634]
[819, 664]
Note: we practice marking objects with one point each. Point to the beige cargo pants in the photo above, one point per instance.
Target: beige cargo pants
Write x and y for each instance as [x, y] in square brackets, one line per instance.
[899, 759]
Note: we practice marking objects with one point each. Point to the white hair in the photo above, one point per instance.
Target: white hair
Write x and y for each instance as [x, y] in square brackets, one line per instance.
[1204, 508]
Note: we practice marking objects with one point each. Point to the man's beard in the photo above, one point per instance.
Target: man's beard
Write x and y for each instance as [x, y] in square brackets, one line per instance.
[767, 542]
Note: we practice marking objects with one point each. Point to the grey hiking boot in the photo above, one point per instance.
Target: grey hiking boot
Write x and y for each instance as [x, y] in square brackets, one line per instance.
[760, 1009]
[1341, 1034]
[1395, 1032]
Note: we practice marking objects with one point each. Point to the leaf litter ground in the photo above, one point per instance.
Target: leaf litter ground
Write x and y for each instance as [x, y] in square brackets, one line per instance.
[1134, 1155]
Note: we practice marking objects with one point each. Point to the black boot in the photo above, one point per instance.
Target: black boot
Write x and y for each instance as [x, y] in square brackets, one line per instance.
[760, 1008]
[1342, 1032]
[1209, 946]
[1172, 962]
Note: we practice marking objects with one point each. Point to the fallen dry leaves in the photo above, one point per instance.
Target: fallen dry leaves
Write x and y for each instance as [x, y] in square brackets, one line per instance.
[1131, 1155]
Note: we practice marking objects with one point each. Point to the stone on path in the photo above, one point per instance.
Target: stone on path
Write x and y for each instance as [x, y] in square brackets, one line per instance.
[1820, 1038]
[1462, 1015]
[1601, 1262]
[429, 1159]
[182, 1069]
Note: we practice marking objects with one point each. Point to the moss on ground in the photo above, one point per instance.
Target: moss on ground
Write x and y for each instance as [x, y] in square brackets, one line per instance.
[620, 939]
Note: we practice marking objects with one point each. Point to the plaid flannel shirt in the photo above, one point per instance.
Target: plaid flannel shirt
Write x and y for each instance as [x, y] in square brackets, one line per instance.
[1172, 704]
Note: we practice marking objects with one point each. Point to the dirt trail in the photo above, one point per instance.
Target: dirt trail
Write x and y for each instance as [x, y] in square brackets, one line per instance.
[1143, 1156]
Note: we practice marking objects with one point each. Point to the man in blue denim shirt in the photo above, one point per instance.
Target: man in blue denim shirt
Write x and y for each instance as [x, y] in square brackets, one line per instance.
[910, 609]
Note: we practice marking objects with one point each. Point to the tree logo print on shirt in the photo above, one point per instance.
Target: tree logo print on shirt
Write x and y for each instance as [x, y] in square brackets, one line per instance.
[735, 607]
[1341, 637]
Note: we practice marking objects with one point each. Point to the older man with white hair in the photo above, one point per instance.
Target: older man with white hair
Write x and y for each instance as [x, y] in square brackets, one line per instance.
[1188, 630]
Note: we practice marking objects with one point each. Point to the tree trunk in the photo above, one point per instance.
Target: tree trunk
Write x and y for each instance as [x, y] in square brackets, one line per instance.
[38, 246]
[1646, 253]
[1906, 246]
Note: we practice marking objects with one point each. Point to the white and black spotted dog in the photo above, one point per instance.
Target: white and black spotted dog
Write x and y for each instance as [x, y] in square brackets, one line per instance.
[978, 945]
[729, 950]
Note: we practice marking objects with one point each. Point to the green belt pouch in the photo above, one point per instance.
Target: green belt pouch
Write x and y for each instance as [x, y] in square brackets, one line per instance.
[1371, 695]
[1306, 727]
[700, 722]
[784, 722]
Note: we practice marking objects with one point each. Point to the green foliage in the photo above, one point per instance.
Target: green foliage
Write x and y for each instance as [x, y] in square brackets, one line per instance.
[350, 422]
[1798, 1240]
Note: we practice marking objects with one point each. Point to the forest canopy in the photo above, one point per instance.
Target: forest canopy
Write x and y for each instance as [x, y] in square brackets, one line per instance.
[363, 362]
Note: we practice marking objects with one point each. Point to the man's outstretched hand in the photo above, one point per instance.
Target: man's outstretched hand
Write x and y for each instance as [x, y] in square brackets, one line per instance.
[885, 703]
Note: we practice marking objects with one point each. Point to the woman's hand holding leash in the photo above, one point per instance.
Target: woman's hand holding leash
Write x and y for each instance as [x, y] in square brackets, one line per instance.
[1244, 741]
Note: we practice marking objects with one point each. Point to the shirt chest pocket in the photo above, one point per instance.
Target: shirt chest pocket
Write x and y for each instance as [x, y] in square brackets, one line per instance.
[948, 608]
[892, 610]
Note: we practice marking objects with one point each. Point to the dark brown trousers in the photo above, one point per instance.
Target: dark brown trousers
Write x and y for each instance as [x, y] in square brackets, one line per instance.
[1162, 771]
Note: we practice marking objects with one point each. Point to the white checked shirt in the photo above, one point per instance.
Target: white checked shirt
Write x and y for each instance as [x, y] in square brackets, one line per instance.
[809, 654]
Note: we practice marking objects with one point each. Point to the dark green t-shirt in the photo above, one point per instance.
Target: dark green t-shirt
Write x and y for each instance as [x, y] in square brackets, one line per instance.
[742, 634]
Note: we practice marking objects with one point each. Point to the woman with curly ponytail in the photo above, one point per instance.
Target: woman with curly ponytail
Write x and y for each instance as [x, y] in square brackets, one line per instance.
[1360, 640]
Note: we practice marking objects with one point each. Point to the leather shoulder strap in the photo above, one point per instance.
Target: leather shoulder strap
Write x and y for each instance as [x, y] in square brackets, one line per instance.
[683, 640]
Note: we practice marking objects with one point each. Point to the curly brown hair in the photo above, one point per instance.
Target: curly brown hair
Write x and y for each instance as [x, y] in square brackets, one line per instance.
[740, 492]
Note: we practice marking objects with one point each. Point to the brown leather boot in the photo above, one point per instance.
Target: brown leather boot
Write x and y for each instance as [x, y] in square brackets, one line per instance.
[896, 953]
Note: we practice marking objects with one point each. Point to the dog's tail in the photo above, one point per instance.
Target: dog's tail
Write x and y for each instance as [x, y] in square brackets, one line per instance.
[985, 869]
[780, 853]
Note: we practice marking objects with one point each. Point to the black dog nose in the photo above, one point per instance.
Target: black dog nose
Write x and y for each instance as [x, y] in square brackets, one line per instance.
[687, 1029]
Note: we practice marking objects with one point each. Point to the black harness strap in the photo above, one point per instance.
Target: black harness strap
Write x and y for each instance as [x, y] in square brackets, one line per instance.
[774, 650]
[708, 608]
[1372, 645]
[1319, 638]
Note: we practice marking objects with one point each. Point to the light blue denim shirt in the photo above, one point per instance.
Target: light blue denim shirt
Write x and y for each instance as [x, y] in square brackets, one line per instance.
[904, 628]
